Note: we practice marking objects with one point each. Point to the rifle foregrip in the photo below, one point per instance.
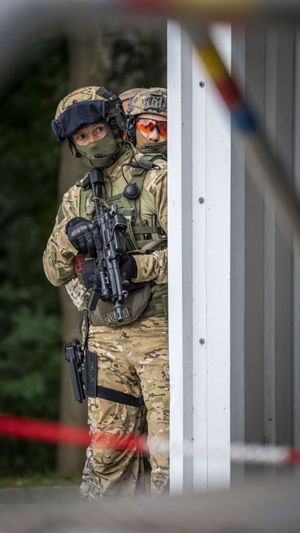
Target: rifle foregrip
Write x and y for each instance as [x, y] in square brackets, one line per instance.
[93, 299]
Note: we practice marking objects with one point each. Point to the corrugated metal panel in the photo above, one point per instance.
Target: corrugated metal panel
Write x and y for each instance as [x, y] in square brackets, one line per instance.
[265, 287]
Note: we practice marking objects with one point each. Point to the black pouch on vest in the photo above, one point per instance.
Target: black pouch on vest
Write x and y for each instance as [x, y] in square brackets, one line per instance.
[135, 303]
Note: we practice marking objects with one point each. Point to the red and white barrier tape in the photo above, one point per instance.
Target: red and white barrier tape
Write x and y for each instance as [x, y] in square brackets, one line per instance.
[52, 432]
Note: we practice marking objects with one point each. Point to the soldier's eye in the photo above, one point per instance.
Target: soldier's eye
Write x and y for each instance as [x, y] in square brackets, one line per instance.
[100, 131]
[80, 138]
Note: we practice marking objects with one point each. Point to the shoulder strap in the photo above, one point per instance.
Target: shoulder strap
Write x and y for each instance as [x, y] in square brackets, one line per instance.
[138, 176]
[85, 194]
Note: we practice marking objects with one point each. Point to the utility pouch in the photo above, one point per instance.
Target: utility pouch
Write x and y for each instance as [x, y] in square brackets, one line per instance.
[135, 303]
[91, 367]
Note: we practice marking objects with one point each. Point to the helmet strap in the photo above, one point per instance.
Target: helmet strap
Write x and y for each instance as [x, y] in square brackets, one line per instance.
[130, 131]
[73, 149]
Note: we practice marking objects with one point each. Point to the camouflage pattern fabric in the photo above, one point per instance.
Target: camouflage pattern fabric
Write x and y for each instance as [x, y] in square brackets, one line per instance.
[134, 360]
[126, 96]
[155, 268]
[76, 292]
[58, 258]
[151, 100]
[78, 95]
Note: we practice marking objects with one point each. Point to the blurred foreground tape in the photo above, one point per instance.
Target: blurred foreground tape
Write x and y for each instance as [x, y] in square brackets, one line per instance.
[53, 432]
[42, 430]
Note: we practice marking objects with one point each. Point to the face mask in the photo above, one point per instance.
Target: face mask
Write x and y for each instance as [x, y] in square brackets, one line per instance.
[100, 154]
[144, 148]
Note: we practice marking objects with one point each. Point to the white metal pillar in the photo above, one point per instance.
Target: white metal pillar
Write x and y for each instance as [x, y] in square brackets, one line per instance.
[199, 271]
[296, 273]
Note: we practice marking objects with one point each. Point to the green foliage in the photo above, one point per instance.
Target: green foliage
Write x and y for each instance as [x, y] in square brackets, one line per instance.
[30, 344]
[138, 59]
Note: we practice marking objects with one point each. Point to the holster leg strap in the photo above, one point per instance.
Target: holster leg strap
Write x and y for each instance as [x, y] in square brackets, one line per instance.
[119, 397]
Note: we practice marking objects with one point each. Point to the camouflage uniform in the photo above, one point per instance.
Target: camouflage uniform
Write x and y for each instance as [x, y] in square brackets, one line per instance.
[134, 102]
[132, 359]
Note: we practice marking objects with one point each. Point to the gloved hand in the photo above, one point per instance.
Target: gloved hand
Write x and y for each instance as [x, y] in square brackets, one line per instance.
[84, 235]
[128, 268]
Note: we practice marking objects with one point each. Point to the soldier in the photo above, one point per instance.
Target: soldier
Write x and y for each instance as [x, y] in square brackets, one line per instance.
[132, 357]
[147, 121]
[146, 111]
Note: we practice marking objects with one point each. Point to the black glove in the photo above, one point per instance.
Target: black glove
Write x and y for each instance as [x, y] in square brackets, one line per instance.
[84, 235]
[128, 268]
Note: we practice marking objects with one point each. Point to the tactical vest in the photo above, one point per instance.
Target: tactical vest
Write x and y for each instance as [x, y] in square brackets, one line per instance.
[142, 236]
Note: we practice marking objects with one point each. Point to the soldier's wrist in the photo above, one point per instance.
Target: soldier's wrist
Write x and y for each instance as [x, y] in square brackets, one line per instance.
[66, 244]
[138, 268]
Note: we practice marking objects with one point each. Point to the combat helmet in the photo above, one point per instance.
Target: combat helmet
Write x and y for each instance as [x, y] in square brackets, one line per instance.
[86, 106]
[126, 96]
[151, 100]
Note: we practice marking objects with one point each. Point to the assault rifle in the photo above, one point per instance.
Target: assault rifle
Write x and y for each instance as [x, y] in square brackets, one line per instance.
[107, 280]
[107, 285]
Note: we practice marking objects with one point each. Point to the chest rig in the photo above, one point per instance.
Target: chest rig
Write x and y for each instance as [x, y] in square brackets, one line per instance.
[144, 235]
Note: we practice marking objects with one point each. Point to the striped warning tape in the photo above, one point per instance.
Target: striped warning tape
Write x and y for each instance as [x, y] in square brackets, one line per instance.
[52, 432]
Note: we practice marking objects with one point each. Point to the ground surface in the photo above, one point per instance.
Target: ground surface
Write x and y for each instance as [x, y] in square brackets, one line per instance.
[258, 507]
[38, 494]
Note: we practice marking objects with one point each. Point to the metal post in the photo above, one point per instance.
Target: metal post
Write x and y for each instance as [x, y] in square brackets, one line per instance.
[199, 272]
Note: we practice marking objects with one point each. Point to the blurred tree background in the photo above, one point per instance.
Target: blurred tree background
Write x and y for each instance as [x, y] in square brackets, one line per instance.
[35, 318]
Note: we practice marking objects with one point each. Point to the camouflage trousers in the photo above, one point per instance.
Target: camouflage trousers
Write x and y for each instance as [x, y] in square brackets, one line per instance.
[132, 359]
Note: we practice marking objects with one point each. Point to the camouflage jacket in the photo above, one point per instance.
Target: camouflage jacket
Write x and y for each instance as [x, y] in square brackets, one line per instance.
[58, 257]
